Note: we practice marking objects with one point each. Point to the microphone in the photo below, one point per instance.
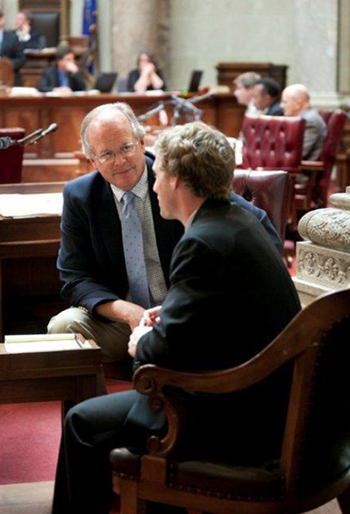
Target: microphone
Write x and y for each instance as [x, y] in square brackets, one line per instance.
[196, 99]
[183, 105]
[40, 133]
[50, 128]
[6, 142]
[22, 141]
[155, 110]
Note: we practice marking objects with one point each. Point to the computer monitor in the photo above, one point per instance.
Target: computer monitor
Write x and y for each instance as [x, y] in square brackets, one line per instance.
[195, 80]
[105, 82]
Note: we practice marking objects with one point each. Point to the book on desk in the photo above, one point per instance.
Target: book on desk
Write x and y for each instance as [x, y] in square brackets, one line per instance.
[28, 343]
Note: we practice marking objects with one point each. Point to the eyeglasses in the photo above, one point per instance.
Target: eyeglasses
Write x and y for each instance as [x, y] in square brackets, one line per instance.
[109, 156]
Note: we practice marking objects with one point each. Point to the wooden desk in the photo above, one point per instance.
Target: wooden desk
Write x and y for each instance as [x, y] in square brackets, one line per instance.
[32, 113]
[69, 376]
[28, 274]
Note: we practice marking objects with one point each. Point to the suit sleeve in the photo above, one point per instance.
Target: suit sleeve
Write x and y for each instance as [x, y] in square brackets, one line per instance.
[77, 259]
[47, 81]
[196, 282]
[77, 81]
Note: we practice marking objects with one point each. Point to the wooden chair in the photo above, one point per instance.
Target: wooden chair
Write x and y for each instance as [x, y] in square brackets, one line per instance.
[268, 190]
[314, 463]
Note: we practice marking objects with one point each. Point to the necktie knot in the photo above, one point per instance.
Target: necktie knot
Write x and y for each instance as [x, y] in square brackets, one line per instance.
[128, 201]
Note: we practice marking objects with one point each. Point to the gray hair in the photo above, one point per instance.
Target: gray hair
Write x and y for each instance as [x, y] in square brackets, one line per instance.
[138, 130]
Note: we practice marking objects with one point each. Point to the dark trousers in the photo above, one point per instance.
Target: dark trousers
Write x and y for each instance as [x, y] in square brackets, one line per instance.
[91, 430]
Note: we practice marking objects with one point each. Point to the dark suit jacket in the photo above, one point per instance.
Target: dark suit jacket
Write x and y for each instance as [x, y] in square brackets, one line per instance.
[50, 79]
[275, 109]
[91, 258]
[35, 42]
[11, 49]
[230, 295]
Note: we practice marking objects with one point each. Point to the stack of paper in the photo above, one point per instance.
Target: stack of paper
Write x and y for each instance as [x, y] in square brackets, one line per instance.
[43, 343]
[23, 205]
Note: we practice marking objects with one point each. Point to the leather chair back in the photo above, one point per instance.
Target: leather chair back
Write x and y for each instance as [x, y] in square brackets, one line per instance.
[272, 142]
[48, 25]
[335, 121]
[314, 192]
[268, 190]
[11, 159]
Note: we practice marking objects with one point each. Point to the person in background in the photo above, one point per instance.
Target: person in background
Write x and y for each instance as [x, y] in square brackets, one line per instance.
[147, 76]
[244, 90]
[91, 259]
[225, 260]
[267, 97]
[29, 38]
[11, 49]
[296, 102]
[65, 76]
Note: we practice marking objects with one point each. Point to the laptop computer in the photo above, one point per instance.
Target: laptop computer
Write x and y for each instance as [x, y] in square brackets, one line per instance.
[105, 81]
[195, 80]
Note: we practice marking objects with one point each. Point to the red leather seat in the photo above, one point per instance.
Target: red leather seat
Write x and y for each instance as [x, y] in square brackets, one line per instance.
[11, 159]
[272, 142]
[314, 193]
[268, 190]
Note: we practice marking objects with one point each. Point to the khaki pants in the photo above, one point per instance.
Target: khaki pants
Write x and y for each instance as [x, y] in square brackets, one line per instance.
[112, 337]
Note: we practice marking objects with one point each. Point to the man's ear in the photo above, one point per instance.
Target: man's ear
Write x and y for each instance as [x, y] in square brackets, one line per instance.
[174, 181]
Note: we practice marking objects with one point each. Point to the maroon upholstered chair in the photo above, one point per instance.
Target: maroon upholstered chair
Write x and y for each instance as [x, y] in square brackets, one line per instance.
[11, 159]
[314, 193]
[314, 462]
[268, 190]
[272, 142]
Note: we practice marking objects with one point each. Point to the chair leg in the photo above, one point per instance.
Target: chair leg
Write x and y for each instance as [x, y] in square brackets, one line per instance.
[344, 501]
[129, 502]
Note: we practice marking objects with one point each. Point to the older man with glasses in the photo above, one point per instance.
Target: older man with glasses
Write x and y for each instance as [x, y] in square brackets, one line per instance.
[115, 251]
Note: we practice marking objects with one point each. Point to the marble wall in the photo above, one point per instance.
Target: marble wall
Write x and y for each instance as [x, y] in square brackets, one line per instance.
[190, 34]
[299, 33]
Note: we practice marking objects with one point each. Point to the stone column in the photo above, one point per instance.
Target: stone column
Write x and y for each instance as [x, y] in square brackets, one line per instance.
[140, 26]
[323, 259]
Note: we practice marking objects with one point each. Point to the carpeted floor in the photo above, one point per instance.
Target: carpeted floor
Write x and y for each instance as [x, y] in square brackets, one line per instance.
[30, 435]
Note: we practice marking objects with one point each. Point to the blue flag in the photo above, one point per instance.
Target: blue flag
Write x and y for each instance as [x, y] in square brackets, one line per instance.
[89, 15]
[89, 19]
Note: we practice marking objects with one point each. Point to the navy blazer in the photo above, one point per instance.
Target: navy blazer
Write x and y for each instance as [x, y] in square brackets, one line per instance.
[91, 258]
[50, 80]
[230, 295]
[11, 48]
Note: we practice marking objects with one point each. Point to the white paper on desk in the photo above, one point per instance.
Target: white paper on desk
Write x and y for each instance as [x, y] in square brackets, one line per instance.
[42, 343]
[25, 205]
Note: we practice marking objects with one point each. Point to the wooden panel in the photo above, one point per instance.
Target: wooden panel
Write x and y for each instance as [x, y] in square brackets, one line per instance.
[228, 71]
[32, 113]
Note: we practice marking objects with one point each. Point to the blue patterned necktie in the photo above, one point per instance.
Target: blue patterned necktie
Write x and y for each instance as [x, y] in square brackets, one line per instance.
[133, 251]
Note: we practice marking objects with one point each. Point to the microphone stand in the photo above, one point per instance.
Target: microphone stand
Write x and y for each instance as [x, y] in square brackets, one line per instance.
[30, 139]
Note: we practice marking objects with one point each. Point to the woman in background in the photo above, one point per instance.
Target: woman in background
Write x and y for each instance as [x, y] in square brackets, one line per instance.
[147, 76]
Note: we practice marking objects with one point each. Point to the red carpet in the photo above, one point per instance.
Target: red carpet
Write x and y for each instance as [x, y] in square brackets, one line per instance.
[30, 435]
